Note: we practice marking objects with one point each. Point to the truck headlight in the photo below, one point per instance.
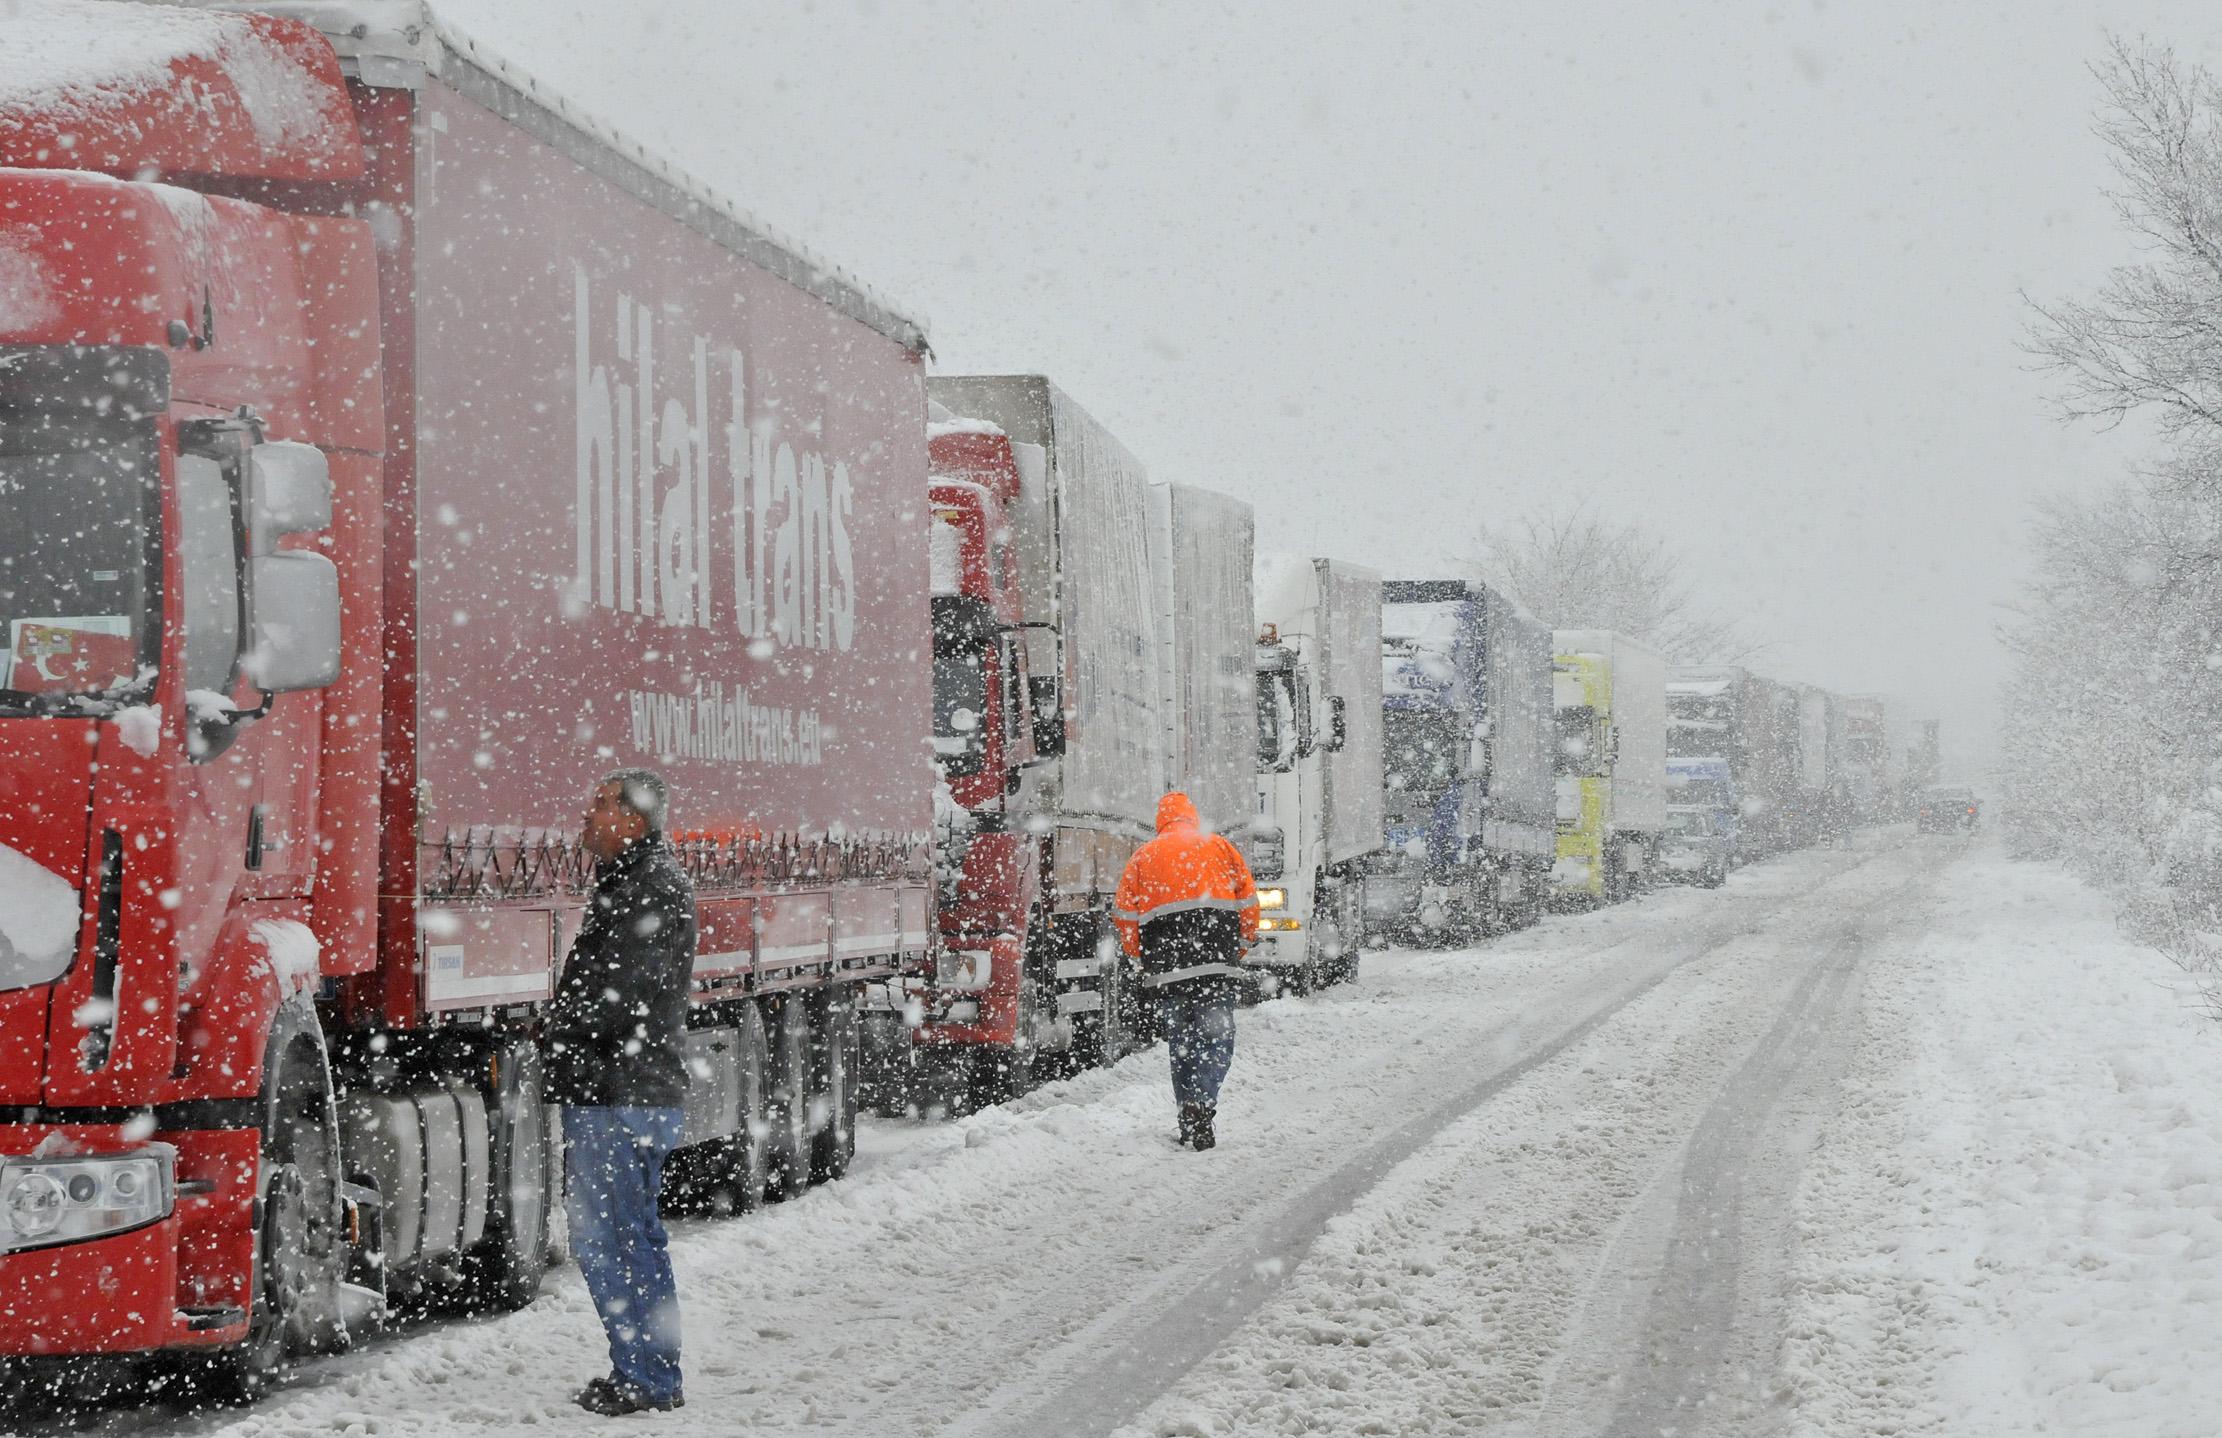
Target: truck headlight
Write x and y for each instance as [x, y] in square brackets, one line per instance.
[964, 969]
[63, 1200]
[1272, 898]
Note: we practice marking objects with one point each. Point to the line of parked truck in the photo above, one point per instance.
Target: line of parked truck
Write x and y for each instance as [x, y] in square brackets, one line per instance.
[351, 529]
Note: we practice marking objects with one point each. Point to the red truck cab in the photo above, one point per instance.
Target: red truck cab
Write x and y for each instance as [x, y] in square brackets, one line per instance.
[176, 575]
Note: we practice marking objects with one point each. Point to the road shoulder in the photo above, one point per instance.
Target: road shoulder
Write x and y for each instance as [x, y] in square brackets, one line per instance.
[2013, 1221]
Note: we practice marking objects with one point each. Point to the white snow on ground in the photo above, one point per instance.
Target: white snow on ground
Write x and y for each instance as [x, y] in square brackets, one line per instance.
[1447, 1197]
[1479, 1286]
[2014, 1225]
[965, 1272]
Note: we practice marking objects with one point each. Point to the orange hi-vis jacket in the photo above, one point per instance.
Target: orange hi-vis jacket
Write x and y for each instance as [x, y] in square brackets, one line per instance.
[1186, 905]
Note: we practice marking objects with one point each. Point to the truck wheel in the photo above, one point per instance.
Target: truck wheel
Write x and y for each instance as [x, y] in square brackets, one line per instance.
[505, 1269]
[1000, 1075]
[833, 1143]
[299, 1257]
[1129, 1015]
[886, 1064]
[747, 1154]
[1103, 1038]
[787, 1098]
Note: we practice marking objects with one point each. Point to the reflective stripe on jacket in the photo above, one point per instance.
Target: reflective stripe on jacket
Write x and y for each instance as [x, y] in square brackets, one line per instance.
[1186, 906]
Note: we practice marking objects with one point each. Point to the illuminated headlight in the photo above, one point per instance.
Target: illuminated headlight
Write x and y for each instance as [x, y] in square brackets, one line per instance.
[1272, 898]
[964, 969]
[61, 1200]
[1280, 926]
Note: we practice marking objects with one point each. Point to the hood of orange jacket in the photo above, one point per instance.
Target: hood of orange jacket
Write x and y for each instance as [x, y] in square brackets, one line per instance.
[1175, 811]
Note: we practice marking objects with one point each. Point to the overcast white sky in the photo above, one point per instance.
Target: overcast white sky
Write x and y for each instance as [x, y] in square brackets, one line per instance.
[1750, 272]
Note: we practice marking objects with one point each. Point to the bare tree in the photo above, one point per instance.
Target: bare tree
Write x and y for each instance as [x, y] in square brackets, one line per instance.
[1576, 569]
[2153, 337]
[2113, 735]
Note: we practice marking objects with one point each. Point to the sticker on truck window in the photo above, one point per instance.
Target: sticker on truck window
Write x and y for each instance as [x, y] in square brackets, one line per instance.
[73, 654]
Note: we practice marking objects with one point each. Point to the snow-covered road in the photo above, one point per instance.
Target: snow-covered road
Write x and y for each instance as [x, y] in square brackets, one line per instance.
[1711, 1163]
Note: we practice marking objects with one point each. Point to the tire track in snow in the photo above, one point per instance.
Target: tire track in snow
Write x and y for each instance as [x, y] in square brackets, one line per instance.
[1057, 1250]
[1133, 1353]
[1707, 1357]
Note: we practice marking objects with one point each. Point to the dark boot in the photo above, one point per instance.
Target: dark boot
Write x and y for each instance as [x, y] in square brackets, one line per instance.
[1191, 1114]
[1200, 1137]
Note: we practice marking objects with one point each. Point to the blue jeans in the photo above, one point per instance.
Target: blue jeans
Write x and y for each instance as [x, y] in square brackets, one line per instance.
[614, 1162]
[1199, 1034]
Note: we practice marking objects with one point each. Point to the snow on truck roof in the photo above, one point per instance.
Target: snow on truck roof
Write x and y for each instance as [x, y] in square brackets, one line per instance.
[62, 61]
[101, 86]
[941, 420]
[395, 43]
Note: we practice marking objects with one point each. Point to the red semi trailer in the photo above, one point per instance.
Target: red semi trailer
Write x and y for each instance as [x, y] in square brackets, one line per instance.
[385, 454]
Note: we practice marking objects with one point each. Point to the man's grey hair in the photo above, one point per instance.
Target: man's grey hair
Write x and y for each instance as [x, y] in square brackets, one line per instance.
[645, 793]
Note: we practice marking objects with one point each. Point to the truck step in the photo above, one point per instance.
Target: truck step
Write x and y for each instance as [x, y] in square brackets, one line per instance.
[214, 1316]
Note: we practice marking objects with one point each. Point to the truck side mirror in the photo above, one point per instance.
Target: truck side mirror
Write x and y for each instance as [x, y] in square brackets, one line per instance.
[1338, 727]
[1049, 715]
[208, 541]
[290, 492]
[296, 622]
[294, 596]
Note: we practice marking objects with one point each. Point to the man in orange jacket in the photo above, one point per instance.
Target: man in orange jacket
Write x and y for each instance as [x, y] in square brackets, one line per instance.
[1187, 908]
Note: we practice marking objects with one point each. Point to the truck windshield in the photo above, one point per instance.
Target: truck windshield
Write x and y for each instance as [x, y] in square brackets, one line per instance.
[1578, 752]
[1276, 717]
[1420, 751]
[79, 572]
[960, 711]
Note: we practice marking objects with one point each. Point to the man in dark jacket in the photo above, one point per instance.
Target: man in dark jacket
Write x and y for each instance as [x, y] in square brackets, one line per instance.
[614, 1048]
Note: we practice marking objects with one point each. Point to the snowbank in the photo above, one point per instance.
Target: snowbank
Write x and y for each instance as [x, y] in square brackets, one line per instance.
[2014, 1225]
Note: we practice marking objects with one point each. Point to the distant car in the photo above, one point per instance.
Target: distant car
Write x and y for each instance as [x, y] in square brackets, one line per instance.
[1941, 810]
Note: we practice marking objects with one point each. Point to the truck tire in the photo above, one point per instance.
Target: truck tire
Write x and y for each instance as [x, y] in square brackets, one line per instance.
[747, 1154]
[833, 1142]
[299, 1252]
[787, 1072]
[886, 1063]
[1104, 1037]
[505, 1269]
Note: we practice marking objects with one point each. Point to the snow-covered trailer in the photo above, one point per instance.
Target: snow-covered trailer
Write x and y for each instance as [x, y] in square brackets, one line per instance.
[1080, 531]
[1610, 692]
[1467, 767]
[1201, 544]
[1319, 794]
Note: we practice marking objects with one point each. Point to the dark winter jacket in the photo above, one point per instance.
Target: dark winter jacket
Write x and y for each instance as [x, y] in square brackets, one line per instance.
[615, 1033]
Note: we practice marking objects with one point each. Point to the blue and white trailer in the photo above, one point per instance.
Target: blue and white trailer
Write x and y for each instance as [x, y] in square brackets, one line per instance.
[1468, 740]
